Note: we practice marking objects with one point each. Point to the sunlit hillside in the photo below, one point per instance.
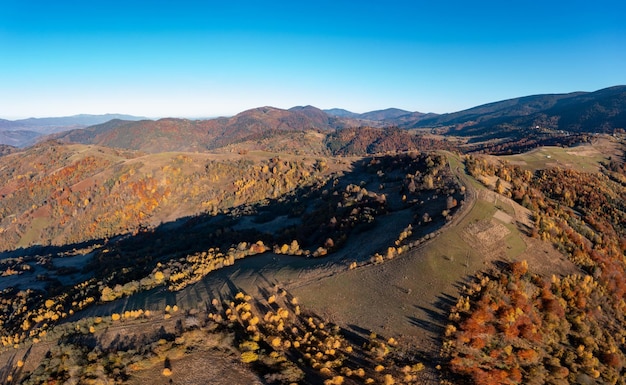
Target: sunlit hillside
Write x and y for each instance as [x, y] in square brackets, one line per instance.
[304, 249]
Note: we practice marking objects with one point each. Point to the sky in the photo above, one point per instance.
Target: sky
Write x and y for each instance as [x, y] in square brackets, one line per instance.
[185, 58]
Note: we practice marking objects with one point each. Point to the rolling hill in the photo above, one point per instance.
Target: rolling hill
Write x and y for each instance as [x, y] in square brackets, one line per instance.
[201, 135]
[340, 112]
[10, 125]
[5, 149]
[381, 118]
[386, 114]
[48, 125]
[298, 246]
[239, 259]
[55, 194]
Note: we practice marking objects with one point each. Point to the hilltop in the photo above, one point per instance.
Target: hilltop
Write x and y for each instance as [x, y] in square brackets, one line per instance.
[313, 212]
[200, 238]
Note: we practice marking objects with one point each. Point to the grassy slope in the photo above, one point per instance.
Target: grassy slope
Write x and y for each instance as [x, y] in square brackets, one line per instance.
[408, 296]
[411, 295]
[583, 158]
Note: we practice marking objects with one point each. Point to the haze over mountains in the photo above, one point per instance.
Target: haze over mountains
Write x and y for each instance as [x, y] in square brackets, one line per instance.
[23, 132]
[578, 112]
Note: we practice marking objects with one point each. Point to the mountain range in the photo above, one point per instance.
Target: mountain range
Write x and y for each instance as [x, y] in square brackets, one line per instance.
[578, 112]
[319, 247]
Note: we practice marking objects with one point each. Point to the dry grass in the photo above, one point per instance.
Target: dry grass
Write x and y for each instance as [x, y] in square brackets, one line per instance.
[586, 157]
[411, 295]
[198, 368]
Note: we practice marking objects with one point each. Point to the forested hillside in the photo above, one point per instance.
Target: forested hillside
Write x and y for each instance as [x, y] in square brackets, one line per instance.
[601, 111]
[516, 326]
[58, 194]
[133, 252]
[333, 201]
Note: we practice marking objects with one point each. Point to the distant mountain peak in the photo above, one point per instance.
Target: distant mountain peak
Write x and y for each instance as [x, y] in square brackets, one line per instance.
[386, 114]
[307, 107]
[576, 112]
[341, 113]
[378, 115]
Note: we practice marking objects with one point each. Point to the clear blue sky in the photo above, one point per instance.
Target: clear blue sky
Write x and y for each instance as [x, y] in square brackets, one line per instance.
[204, 58]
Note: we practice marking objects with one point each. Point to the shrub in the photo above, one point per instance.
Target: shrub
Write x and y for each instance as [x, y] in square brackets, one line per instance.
[248, 357]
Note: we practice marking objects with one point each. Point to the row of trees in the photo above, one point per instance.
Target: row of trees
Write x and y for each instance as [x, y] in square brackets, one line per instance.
[273, 336]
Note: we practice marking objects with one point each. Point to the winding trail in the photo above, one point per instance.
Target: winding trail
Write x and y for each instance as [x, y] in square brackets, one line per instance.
[407, 297]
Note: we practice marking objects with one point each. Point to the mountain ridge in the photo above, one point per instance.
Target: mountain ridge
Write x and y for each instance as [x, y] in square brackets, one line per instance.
[385, 114]
[600, 111]
[591, 112]
[201, 135]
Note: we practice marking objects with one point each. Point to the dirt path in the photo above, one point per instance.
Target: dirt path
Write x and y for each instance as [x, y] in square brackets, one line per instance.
[407, 298]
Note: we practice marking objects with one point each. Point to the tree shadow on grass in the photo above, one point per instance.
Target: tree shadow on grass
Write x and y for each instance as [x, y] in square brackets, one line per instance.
[434, 320]
[133, 256]
[436, 317]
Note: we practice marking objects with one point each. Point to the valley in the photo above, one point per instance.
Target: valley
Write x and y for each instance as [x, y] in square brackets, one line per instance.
[297, 247]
